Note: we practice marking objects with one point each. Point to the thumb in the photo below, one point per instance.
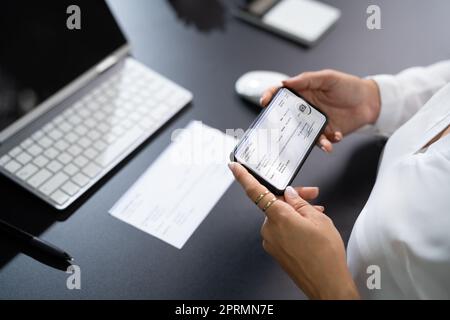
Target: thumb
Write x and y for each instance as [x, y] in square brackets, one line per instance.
[317, 80]
[295, 201]
[305, 81]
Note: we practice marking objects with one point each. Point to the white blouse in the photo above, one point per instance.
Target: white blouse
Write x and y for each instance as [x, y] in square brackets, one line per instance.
[404, 228]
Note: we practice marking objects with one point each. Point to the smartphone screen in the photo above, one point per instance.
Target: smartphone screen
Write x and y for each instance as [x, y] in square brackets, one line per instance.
[279, 141]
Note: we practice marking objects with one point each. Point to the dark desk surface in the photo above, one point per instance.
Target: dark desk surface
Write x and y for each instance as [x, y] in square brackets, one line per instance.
[199, 45]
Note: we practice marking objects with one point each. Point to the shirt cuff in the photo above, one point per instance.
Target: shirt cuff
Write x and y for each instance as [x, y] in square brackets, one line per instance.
[388, 118]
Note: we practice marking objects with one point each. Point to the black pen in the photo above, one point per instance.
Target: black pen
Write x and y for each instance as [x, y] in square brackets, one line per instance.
[35, 242]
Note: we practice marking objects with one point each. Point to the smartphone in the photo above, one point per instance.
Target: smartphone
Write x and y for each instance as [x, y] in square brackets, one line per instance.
[278, 142]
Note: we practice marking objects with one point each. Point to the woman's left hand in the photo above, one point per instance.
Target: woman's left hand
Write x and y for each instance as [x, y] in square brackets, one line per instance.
[302, 239]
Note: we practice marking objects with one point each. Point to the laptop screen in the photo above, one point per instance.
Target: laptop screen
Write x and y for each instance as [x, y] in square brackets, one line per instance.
[42, 50]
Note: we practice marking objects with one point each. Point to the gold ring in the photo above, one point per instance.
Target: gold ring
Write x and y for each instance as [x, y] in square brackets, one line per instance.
[270, 203]
[261, 196]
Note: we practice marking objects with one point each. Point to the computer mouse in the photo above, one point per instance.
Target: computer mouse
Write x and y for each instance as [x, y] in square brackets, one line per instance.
[251, 85]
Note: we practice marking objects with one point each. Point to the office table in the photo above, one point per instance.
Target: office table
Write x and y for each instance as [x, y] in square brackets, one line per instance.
[202, 47]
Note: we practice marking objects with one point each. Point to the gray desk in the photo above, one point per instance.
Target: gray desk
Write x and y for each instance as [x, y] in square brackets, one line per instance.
[204, 49]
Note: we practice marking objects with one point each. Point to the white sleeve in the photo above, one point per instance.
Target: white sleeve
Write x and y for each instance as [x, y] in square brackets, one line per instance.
[404, 94]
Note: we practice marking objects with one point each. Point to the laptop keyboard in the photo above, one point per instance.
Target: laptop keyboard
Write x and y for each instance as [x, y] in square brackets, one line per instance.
[73, 151]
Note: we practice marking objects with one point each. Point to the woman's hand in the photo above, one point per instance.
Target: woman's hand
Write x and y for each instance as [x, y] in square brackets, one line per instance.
[348, 101]
[302, 239]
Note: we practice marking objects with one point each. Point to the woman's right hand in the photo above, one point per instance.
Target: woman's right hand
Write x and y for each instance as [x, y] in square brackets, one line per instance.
[349, 102]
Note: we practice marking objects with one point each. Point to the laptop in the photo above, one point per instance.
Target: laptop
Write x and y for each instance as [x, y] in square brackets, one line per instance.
[73, 102]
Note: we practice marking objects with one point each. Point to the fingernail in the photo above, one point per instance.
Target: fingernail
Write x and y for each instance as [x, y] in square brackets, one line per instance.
[321, 208]
[323, 149]
[232, 165]
[338, 136]
[291, 192]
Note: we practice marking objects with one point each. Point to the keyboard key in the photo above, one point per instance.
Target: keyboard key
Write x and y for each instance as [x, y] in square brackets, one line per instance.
[74, 119]
[74, 150]
[81, 161]
[61, 145]
[4, 160]
[90, 153]
[59, 119]
[93, 106]
[121, 113]
[99, 116]
[24, 158]
[81, 130]
[55, 134]
[40, 161]
[65, 127]
[94, 135]
[70, 188]
[12, 166]
[110, 138]
[92, 170]
[84, 113]
[90, 123]
[65, 158]
[71, 169]
[37, 135]
[15, 152]
[68, 112]
[80, 179]
[34, 150]
[44, 142]
[138, 100]
[84, 142]
[113, 120]
[51, 153]
[102, 98]
[54, 166]
[77, 106]
[59, 197]
[110, 108]
[100, 145]
[27, 171]
[48, 127]
[71, 137]
[103, 128]
[26, 144]
[39, 178]
[118, 131]
[53, 183]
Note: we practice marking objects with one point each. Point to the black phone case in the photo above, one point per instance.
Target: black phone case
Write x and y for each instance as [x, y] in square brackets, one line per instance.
[264, 182]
